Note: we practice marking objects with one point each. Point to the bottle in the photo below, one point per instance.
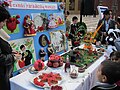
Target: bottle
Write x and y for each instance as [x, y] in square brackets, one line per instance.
[67, 65]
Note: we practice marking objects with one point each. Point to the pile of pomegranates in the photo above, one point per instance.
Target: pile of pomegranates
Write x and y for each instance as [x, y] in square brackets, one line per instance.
[55, 61]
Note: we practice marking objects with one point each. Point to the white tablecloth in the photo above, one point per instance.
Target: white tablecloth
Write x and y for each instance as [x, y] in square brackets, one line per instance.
[84, 81]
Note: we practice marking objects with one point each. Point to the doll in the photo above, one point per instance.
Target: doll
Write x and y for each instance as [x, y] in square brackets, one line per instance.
[28, 25]
[110, 41]
[52, 21]
[50, 50]
[42, 54]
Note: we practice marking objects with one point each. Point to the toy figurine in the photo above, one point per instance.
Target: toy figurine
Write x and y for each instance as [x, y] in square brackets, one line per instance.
[52, 22]
[12, 23]
[50, 50]
[42, 54]
[28, 26]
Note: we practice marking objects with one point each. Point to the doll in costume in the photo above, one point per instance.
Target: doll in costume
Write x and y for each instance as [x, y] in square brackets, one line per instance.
[28, 25]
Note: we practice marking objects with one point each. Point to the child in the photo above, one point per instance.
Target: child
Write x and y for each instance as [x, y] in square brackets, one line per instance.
[115, 57]
[108, 74]
[67, 21]
[73, 30]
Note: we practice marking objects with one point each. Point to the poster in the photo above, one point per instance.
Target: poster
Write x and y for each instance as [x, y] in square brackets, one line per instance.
[58, 40]
[55, 20]
[25, 52]
[40, 21]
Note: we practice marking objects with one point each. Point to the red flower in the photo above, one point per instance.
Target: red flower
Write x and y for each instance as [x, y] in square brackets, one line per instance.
[17, 16]
[49, 42]
[66, 34]
[64, 50]
[76, 42]
[18, 22]
[5, 3]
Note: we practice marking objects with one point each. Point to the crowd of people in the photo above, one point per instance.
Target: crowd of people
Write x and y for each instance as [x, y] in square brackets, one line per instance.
[108, 72]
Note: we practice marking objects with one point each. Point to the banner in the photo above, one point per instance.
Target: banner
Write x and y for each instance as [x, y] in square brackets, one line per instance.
[33, 5]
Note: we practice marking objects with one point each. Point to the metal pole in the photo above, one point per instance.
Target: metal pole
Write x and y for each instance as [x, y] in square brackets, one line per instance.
[81, 11]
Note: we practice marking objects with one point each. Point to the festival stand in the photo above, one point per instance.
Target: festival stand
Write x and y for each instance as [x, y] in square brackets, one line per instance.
[47, 26]
[84, 81]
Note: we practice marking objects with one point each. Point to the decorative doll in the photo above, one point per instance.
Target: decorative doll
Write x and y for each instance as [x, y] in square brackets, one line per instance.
[42, 54]
[28, 26]
[110, 41]
[26, 55]
[12, 22]
[50, 50]
[52, 22]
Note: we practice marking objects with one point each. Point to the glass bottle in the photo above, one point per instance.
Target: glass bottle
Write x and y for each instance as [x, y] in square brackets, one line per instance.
[67, 65]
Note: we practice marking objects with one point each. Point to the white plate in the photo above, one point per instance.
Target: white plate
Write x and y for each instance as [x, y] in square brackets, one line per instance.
[46, 84]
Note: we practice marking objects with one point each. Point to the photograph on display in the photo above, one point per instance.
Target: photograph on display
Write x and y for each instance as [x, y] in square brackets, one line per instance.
[55, 20]
[25, 52]
[40, 21]
[12, 25]
[58, 40]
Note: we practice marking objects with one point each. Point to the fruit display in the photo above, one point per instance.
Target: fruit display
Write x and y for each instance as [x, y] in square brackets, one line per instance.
[82, 57]
[47, 79]
[55, 61]
[56, 87]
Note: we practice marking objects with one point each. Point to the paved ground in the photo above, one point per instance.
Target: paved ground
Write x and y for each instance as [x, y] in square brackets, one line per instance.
[90, 21]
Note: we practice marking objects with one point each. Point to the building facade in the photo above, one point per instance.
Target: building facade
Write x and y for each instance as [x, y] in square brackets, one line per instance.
[73, 6]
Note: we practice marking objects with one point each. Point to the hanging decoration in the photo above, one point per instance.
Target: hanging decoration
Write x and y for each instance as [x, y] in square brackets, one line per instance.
[29, 28]
[12, 23]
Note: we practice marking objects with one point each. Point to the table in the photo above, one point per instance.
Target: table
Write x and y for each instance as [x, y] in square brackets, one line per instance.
[84, 81]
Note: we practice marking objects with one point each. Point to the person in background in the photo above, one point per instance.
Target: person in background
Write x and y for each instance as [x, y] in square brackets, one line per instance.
[107, 23]
[6, 55]
[67, 21]
[111, 14]
[108, 74]
[118, 22]
[115, 57]
[74, 27]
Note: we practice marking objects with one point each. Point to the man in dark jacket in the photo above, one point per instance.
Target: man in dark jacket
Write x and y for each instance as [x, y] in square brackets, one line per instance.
[107, 23]
[6, 56]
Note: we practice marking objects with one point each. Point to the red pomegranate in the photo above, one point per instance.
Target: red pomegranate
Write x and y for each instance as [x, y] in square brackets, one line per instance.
[39, 65]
